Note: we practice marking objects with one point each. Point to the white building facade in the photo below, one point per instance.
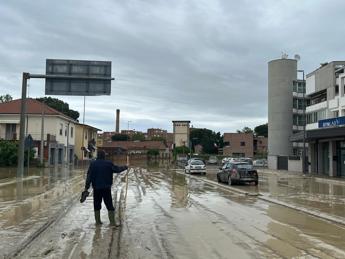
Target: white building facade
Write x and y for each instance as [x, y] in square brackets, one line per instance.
[58, 129]
[326, 119]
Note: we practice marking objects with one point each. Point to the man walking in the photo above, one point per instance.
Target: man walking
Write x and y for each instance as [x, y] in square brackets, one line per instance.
[100, 175]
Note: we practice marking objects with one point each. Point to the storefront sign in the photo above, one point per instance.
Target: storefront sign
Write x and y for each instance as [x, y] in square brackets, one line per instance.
[334, 122]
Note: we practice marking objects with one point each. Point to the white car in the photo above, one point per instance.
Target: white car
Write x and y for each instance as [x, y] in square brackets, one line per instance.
[260, 163]
[195, 166]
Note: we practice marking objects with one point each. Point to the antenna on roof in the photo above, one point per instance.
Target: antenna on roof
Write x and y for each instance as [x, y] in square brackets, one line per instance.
[284, 55]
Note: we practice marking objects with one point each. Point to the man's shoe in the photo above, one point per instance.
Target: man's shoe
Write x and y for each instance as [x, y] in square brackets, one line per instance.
[98, 217]
[111, 215]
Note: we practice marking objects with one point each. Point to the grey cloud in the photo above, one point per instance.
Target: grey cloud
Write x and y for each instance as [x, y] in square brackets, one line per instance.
[200, 60]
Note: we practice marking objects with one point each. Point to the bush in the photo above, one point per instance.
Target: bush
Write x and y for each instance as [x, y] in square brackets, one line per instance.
[8, 153]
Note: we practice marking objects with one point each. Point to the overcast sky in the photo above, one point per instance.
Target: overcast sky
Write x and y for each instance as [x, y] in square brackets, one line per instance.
[198, 60]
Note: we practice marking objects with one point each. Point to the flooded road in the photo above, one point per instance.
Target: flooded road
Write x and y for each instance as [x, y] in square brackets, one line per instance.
[169, 215]
[324, 195]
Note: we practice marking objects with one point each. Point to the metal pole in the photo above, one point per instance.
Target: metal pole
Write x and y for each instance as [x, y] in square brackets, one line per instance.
[42, 135]
[67, 148]
[83, 137]
[20, 168]
[304, 124]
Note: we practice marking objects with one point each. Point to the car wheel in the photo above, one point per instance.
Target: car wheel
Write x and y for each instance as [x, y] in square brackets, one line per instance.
[256, 183]
[229, 181]
[218, 179]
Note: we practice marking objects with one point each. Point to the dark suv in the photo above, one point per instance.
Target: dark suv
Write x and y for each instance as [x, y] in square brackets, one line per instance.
[237, 172]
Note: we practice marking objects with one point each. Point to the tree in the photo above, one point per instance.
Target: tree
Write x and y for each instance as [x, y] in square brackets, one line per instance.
[138, 136]
[5, 98]
[60, 106]
[261, 130]
[119, 137]
[153, 153]
[208, 139]
[245, 130]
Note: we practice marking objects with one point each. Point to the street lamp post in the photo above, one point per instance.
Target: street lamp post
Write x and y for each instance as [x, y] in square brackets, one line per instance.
[304, 124]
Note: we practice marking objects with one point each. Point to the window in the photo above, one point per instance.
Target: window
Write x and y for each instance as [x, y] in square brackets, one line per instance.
[242, 143]
[66, 128]
[314, 117]
[71, 132]
[61, 128]
[335, 114]
[336, 90]
[226, 143]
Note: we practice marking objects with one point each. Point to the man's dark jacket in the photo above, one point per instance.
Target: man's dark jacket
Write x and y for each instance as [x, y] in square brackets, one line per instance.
[100, 174]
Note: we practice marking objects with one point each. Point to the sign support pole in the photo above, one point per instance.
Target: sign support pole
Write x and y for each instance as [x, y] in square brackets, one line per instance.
[20, 168]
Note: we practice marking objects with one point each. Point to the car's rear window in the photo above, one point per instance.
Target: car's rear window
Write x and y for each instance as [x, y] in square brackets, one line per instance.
[197, 162]
[244, 166]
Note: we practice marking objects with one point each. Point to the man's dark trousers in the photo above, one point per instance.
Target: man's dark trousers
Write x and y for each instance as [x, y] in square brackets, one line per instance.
[104, 194]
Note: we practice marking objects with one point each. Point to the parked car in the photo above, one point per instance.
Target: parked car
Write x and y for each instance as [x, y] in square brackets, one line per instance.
[195, 166]
[194, 158]
[260, 163]
[225, 160]
[212, 160]
[238, 172]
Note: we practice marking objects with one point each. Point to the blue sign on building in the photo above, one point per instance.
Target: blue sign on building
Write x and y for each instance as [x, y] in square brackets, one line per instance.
[334, 122]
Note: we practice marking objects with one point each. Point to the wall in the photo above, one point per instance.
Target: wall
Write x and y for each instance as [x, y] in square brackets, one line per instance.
[235, 140]
[295, 165]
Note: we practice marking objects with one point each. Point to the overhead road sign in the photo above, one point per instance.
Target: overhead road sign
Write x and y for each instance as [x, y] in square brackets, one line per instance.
[77, 77]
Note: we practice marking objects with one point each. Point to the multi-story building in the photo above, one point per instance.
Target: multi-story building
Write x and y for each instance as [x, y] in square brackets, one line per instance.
[238, 144]
[181, 133]
[286, 106]
[58, 129]
[326, 119]
[85, 141]
[154, 133]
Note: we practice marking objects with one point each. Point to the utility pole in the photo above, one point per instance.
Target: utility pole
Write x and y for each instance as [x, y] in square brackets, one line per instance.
[20, 168]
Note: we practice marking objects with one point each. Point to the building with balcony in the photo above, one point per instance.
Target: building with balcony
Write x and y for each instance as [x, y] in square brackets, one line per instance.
[326, 119]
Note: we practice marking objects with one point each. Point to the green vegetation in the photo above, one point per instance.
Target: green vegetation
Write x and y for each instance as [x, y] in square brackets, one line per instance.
[153, 153]
[119, 137]
[180, 150]
[60, 106]
[5, 98]
[261, 130]
[209, 140]
[8, 153]
[245, 130]
[138, 136]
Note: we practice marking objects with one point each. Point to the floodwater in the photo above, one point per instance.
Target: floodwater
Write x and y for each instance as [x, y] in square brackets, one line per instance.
[325, 195]
[28, 204]
[166, 214]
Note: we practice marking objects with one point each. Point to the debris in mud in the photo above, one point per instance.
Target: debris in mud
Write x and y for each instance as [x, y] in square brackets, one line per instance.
[48, 251]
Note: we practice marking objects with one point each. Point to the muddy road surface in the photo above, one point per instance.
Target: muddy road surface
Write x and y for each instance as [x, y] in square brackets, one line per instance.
[166, 214]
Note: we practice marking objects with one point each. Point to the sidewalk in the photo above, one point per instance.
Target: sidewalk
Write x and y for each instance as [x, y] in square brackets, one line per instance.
[320, 195]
